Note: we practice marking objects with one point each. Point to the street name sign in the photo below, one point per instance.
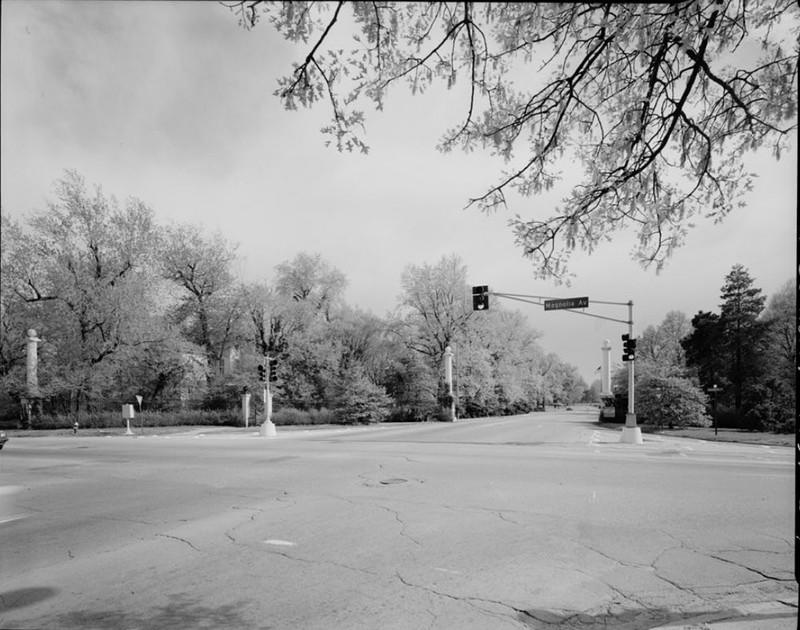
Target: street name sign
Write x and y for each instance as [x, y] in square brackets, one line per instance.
[577, 302]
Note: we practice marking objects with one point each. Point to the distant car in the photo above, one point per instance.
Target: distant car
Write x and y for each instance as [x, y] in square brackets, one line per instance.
[3, 439]
[569, 408]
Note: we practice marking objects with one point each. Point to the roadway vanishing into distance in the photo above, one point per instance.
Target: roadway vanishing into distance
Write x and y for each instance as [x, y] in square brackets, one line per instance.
[537, 521]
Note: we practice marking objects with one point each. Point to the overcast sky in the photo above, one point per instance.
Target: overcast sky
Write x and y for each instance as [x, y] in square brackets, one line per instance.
[172, 103]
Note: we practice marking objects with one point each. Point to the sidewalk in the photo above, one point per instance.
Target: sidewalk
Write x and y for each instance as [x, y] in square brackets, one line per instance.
[762, 616]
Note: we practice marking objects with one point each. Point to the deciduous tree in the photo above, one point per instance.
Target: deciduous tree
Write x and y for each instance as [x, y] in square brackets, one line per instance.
[310, 280]
[83, 265]
[659, 349]
[433, 305]
[211, 304]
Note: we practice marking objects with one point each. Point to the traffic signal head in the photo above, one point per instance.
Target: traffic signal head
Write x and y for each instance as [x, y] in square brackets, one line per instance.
[628, 348]
[273, 370]
[480, 298]
[262, 372]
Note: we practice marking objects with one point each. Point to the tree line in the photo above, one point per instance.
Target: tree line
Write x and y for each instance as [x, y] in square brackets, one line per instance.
[124, 306]
[735, 367]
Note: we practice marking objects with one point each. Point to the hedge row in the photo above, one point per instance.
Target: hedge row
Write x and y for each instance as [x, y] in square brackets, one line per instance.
[229, 417]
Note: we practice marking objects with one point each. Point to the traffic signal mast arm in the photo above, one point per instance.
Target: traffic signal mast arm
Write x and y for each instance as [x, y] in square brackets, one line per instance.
[480, 301]
[529, 299]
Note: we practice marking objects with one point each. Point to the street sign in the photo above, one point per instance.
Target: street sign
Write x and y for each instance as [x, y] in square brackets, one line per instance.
[578, 302]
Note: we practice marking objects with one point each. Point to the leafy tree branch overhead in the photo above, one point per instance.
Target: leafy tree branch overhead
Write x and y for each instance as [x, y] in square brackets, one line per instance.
[657, 102]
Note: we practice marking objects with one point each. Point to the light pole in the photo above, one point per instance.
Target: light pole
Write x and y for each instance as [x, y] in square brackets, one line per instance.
[714, 389]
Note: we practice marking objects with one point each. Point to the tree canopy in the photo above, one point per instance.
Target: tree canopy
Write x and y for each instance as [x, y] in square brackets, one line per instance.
[657, 101]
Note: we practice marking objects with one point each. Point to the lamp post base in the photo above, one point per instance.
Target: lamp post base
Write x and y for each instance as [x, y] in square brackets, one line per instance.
[268, 429]
[631, 435]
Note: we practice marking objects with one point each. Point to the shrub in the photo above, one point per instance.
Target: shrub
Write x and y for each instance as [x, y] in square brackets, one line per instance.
[671, 401]
[289, 416]
[360, 401]
[411, 414]
[114, 420]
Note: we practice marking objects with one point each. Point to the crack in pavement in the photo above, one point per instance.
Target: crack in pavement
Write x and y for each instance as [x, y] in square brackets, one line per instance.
[327, 562]
[396, 514]
[124, 520]
[255, 511]
[751, 569]
[403, 531]
[767, 577]
[179, 539]
[470, 601]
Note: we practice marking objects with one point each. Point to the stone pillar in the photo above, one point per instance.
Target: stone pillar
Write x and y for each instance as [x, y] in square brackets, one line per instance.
[605, 370]
[32, 365]
[448, 379]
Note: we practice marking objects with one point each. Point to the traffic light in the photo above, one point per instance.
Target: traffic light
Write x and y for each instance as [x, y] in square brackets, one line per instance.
[628, 348]
[480, 298]
[273, 370]
[262, 372]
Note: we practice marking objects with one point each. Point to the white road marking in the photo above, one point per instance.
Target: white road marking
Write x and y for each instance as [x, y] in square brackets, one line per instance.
[279, 543]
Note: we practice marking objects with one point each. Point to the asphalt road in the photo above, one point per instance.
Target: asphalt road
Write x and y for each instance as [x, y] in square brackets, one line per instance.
[533, 521]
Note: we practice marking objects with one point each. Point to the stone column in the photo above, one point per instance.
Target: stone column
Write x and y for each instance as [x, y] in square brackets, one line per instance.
[32, 363]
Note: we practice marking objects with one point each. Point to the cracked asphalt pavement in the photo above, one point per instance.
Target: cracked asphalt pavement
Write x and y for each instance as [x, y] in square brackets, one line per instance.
[538, 521]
